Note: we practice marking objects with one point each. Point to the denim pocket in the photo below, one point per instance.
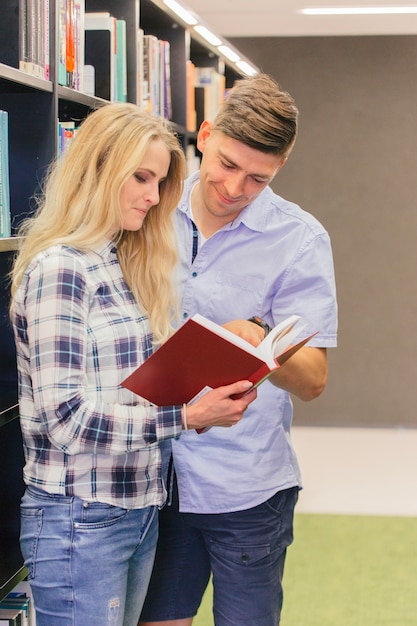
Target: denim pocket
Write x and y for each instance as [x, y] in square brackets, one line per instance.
[31, 519]
[98, 515]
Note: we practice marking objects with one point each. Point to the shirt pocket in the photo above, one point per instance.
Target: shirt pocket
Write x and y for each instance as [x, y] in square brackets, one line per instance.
[237, 296]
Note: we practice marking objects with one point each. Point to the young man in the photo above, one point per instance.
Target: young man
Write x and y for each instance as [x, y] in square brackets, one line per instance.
[245, 253]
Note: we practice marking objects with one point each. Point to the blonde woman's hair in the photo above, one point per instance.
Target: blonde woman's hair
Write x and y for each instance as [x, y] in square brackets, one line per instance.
[80, 205]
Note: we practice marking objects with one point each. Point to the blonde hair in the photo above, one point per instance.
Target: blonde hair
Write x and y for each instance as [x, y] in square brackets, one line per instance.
[80, 205]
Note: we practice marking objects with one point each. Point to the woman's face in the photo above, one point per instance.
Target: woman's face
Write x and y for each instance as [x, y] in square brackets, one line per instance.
[141, 191]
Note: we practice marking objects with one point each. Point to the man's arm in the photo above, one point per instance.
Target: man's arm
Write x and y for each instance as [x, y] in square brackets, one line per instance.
[304, 374]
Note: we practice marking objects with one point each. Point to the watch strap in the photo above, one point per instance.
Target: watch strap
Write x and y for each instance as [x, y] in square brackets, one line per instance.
[257, 320]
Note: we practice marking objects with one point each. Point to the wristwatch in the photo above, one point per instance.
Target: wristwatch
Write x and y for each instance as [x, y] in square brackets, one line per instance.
[257, 320]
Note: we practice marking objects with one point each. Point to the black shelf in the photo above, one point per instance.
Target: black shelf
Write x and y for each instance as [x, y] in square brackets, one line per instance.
[34, 105]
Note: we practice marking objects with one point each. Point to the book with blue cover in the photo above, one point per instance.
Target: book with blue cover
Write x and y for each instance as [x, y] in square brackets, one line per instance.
[5, 225]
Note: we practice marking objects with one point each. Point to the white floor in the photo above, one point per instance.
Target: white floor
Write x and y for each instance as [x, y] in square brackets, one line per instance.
[359, 471]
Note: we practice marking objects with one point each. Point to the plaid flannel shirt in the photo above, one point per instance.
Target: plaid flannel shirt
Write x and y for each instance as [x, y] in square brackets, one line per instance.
[78, 334]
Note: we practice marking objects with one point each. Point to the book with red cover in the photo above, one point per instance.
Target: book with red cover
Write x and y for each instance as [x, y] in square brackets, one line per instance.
[201, 354]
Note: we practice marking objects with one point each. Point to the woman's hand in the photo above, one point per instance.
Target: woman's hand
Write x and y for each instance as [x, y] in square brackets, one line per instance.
[219, 408]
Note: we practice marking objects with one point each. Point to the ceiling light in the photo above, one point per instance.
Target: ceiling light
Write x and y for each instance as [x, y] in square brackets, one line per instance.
[229, 53]
[208, 35]
[181, 12]
[246, 68]
[359, 10]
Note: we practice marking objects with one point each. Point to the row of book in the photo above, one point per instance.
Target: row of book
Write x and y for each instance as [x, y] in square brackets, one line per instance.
[4, 176]
[154, 74]
[34, 37]
[66, 133]
[206, 90]
[92, 59]
[17, 609]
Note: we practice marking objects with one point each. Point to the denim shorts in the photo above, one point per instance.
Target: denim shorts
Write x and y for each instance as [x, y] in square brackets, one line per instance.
[244, 551]
[88, 563]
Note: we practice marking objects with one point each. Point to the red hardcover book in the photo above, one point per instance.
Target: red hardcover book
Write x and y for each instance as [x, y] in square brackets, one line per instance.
[201, 354]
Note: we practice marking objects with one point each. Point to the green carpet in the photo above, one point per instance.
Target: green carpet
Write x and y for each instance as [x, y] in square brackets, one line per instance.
[347, 570]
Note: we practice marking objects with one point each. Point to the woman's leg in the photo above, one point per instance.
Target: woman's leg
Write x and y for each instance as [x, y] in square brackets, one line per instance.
[79, 557]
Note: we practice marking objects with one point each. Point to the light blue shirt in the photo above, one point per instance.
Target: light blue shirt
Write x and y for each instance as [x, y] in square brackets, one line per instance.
[274, 260]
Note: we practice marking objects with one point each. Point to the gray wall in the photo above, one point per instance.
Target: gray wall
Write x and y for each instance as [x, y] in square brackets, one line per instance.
[354, 167]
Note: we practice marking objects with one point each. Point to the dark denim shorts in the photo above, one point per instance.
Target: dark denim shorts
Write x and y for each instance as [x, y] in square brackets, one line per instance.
[244, 551]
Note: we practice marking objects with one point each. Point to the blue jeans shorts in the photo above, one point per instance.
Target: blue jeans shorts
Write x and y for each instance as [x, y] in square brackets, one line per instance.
[244, 551]
[88, 563]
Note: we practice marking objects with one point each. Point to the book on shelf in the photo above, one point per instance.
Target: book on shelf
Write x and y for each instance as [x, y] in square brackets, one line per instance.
[70, 43]
[202, 355]
[34, 37]
[121, 60]
[19, 603]
[210, 88]
[23, 591]
[46, 42]
[66, 133]
[11, 617]
[79, 61]
[151, 74]
[165, 99]
[101, 52]
[140, 96]
[62, 41]
[5, 221]
[191, 119]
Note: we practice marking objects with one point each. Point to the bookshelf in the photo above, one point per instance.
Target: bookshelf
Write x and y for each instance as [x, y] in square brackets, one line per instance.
[34, 105]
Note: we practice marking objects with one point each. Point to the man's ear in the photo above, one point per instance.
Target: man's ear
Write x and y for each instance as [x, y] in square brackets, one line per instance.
[283, 162]
[203, 134]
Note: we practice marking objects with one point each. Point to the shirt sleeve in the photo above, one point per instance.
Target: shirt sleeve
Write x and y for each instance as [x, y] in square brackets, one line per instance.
[309, 290]
[57, 305]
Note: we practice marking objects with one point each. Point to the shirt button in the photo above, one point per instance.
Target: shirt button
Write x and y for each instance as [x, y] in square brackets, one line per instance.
[185, 315]
[194, 274]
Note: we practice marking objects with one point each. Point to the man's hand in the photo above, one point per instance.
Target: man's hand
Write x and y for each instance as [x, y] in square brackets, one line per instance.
[247, 330]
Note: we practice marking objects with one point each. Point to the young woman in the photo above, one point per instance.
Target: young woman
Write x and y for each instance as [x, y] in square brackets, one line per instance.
[91, 298]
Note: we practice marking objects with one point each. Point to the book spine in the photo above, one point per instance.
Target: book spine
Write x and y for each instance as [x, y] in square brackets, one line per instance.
[31, 37]
[23, 35]
[121, 60]
[62, 41]
[79, 11]
[69, 44]
[5, 225]
[40, 38]
[46, 41]
[139, 65]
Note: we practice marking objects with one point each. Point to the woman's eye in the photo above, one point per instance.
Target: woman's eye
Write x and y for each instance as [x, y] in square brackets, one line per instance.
[140, 178]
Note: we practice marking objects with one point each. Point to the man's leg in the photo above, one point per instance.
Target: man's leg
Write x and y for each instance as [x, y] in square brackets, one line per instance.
[247, 552]
[181, 571]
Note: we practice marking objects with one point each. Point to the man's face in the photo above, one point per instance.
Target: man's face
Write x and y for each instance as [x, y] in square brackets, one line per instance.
[232, 174]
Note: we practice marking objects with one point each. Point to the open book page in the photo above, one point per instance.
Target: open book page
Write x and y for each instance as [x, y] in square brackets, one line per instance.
[280, 338]
[276, 342]
[226, 334]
